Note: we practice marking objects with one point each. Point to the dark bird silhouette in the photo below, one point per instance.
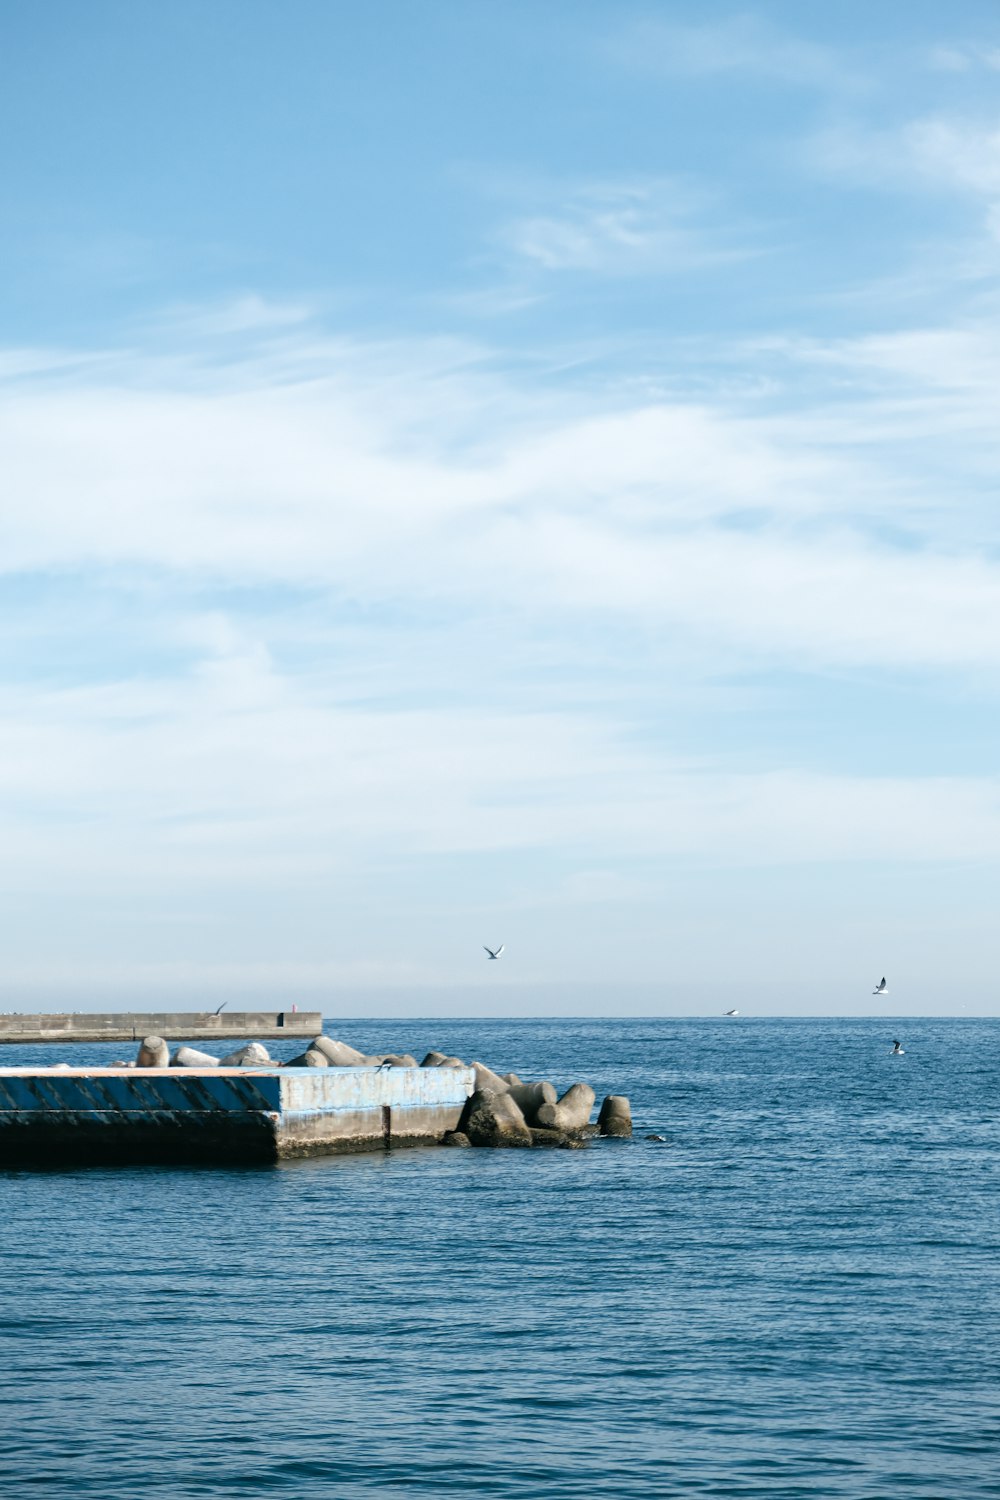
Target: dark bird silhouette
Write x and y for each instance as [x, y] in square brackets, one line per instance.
[220, 1008]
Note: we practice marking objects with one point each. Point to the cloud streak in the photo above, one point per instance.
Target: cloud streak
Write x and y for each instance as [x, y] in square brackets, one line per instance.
[734, 47]
[626, 228]
[761, 531]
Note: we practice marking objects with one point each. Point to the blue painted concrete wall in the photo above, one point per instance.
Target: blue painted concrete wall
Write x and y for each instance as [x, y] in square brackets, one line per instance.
[223, 1113]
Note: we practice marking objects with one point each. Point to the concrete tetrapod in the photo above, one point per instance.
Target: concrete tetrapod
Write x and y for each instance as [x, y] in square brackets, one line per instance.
[310, 1058]
[153, 1053]
[491, 1119]
[190, 1057]
[487, 1079]
[572, 1112]
[339, 1054]
[434, 1060]
[253, 1055]
[529, 1097]
[615, 1118]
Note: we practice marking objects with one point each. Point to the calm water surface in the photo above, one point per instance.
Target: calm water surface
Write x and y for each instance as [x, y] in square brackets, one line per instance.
[795, 1295]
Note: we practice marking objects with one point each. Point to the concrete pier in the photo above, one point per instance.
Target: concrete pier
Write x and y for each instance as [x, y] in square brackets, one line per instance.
[59, 1116]
[173, 1026]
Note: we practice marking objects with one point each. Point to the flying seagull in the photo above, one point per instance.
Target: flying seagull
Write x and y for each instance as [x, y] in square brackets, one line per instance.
[731, 1012]
[881, 988]
[220, 1007]
[492, 953]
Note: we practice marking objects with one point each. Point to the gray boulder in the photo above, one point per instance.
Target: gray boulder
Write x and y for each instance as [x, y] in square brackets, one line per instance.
[190, 1057]
[557, 1138]
[491, 1119]
[615, 1118]
[572, 1111]
[455, 1138]
[153, 1053]
[251, 1056]
[337, 1054]
[530, 1097]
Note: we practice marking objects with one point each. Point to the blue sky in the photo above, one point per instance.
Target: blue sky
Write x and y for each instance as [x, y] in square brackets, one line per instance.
[500, 473]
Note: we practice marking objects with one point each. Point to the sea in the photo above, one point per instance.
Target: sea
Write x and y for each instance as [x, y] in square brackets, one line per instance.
[793, 1293]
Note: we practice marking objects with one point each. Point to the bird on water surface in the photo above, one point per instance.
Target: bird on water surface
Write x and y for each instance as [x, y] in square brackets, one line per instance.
[897, 1050]
[881, 988]
[494, 952]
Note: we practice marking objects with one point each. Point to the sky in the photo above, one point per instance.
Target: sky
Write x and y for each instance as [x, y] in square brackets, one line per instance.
[500, 473]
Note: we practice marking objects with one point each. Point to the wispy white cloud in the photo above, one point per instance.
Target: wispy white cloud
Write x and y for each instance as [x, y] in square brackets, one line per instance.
[941, 155]
[247, 313]
[235, 773]
[945, 152]
[755, 529]
[380, 586]
[955, 153]
[964, 58]
[622, 228]
[730, 46]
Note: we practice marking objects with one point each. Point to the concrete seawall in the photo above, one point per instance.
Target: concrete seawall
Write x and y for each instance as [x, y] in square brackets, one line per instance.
[173, 1026]
[222, 1115]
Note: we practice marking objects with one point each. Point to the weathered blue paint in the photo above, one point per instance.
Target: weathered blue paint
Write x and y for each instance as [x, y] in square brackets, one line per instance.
[129, 1090]
[222, 1114]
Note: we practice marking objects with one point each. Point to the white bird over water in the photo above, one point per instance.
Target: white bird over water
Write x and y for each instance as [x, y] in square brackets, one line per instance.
[494, 952]
[731, 1013]
[881, 988]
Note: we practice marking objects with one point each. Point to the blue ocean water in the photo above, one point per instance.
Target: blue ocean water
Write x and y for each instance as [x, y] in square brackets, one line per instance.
[796, 1294]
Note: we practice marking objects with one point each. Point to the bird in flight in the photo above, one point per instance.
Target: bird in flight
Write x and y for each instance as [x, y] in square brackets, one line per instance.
[881, 988]
[494, 952]
[731, 1012]
[219, 1009]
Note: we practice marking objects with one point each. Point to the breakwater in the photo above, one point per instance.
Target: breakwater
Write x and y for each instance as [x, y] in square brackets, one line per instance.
[174, 1026]
[190, 1105]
